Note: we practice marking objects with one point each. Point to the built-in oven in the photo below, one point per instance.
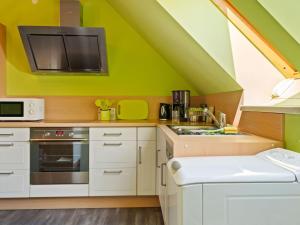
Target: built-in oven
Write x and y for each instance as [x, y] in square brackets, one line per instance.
[59, 156]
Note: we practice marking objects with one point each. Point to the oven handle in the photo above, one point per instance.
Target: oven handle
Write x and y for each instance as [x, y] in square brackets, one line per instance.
[59, 140]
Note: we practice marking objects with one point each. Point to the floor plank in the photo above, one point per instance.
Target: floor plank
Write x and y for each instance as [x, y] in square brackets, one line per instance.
[124, 216]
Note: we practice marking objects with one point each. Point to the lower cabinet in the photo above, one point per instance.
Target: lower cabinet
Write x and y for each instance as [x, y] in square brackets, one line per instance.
[113, 182]
[14, 162]
[14, 183]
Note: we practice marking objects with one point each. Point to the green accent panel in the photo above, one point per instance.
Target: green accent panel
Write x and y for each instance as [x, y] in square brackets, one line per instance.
[292, 132]
[286, 13]
[204, 22]
[266, 25]
[177, 46]
[135, 68]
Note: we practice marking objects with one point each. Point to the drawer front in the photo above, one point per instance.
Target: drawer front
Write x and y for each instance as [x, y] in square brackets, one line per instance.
[14, 183]
[113, 153]
[14, 134]
[146, 133]
[14, 155]
[110, 134]
[113, 182]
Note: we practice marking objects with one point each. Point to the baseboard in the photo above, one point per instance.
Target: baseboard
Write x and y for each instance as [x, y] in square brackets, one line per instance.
[80, 202]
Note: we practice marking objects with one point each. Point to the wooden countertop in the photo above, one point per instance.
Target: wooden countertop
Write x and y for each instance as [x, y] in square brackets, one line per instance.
[77, 123]
[213, 145]
[183, 145]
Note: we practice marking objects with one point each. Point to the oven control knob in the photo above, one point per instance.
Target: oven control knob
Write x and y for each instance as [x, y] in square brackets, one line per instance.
[31, 105]
[31, 112]
[47, 134]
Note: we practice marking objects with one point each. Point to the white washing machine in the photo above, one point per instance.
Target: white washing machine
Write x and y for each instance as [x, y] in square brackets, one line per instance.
[235, 190]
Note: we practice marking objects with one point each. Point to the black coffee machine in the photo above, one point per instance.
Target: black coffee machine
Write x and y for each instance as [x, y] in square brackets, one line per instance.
[181, 102]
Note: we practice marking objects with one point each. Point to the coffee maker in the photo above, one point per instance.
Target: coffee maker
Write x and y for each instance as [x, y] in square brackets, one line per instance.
[181, 103]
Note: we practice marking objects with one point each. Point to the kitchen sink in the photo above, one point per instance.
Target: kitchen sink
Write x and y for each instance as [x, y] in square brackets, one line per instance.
[198, 130]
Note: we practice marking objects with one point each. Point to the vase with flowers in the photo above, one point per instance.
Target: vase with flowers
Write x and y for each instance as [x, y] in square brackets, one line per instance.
[104, 106]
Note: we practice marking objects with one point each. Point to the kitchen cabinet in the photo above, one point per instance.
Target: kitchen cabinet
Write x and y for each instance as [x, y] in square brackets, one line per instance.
[14, 162]
[113, 167]
[146, 169]
[161, 179]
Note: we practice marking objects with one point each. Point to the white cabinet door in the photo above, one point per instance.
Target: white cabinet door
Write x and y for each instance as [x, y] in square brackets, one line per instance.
[146, 167]
[14, 134]
[14, 155]
[112, 153]
[251, 204]
[14, 183]
[113, 182]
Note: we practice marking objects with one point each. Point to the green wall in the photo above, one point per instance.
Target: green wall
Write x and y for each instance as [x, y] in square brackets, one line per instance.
[265, 24]
[292, 132]
[135, 68]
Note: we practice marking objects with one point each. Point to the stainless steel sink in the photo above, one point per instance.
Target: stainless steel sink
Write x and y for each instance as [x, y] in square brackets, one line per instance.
[198, 130]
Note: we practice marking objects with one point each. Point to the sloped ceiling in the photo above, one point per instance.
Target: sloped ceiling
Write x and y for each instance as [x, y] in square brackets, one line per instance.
[178, 47]
[270, 28]
[286, 14]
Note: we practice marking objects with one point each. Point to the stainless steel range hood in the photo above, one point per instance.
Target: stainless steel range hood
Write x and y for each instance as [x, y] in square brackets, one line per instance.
[67, 48]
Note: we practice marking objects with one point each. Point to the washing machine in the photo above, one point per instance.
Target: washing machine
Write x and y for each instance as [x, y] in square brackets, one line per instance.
[235, 190]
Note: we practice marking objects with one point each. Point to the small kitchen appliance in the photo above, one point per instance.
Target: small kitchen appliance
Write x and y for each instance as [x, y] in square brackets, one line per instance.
[164, 111]
[181, 103]
[22, 109]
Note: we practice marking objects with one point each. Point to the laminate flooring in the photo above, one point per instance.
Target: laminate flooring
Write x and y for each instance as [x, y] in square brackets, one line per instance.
[124, 216]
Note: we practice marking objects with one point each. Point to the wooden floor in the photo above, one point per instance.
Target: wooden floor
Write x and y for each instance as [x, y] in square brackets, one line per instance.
[132, 216]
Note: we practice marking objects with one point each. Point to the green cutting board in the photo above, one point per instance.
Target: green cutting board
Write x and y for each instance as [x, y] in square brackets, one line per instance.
[132, 110]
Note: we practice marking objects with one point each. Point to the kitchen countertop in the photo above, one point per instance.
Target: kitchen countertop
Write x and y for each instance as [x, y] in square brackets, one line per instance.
[213, 145]
[78, 123]
[185, 145]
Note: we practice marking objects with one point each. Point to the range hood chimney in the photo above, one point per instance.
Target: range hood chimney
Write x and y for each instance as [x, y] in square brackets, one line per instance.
[68, 48]
[70, 13]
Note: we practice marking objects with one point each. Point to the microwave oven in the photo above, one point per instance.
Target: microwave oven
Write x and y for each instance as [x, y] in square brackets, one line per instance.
[22, 109]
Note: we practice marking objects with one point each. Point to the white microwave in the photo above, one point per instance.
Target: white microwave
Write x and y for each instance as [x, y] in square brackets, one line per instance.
[22, 109]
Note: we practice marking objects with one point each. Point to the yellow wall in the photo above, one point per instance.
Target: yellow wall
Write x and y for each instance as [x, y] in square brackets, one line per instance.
[135, 67]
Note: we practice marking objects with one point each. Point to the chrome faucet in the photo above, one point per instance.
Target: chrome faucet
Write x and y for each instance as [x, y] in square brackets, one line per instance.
[219, 123]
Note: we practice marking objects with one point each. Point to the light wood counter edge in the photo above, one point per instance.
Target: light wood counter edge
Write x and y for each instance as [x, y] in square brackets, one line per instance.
[117, 123]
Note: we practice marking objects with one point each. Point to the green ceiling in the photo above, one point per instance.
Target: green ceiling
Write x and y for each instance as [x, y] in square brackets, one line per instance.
[270, 28]
[199, 63]
[286, 14]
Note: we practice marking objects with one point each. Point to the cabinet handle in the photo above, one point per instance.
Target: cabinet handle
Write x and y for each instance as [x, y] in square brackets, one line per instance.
[112, 134]
[157, 165]
[7, 145]
[112, 171]
[8, 134]
[7, 173]
[112, 144]
[140, 154]
[162, 174]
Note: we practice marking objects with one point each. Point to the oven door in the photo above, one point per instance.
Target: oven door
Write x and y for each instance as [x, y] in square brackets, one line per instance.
[59, 162]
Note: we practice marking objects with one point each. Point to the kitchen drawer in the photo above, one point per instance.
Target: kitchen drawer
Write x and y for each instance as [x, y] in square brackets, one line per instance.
[112, 154]
[14, 155]
[146, 133]
[14, 183]
[110, 134]
[14, 134]
[113, 182]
